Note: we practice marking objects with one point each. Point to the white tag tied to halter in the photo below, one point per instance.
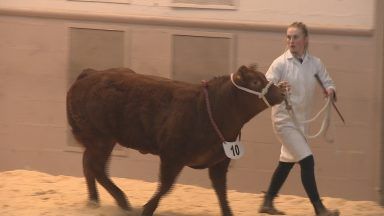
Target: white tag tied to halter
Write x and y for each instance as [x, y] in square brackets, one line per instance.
[234, 150]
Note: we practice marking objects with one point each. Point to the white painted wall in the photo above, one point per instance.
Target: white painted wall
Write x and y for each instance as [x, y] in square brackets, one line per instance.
[33, 71]
[330, 13]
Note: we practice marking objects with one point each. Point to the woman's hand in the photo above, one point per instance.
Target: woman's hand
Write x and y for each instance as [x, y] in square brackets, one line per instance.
[331, 93]
[284, 86]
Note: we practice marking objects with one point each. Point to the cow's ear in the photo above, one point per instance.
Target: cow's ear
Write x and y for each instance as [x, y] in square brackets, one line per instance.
[241, 72]
[253, 66]
[242, 69]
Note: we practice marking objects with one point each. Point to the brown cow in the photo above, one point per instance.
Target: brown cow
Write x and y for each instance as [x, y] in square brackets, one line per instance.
[162, 117]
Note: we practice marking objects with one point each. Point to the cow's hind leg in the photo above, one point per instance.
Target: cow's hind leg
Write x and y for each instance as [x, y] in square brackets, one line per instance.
[90, 178]
[218, 176]
[102, 177]
[95, 161]
[168, 173]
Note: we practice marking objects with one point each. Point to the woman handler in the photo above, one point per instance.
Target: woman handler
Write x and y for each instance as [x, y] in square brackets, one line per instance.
[294, 71]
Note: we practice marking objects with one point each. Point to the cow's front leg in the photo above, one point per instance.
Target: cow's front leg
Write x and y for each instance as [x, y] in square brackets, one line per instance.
[218, 176]
[169, 169]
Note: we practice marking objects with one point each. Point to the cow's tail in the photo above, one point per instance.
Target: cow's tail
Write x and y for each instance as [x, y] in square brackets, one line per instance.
[74, 117]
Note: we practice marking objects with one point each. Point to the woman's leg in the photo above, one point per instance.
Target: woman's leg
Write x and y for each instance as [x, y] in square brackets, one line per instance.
[309, 182]
[277, 181]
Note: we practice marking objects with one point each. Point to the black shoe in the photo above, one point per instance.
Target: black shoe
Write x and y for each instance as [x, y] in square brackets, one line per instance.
[327, 212]
[270, 210]
[322, 211]
[268, 207]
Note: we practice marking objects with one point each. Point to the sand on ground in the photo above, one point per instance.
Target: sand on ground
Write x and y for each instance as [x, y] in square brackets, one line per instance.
[34, 193]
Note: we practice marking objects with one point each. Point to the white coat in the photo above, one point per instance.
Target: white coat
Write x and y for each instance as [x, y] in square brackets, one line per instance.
[300, 76]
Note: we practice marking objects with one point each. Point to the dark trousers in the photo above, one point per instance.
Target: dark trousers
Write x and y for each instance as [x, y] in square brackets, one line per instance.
[307, 166]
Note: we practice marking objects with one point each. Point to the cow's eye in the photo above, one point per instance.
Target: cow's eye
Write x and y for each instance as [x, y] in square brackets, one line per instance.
[256, 84]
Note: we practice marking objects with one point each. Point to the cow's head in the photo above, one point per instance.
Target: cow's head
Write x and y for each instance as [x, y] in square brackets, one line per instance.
[254, 82]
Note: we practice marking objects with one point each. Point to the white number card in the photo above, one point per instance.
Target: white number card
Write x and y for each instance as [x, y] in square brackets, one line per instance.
[234, 150]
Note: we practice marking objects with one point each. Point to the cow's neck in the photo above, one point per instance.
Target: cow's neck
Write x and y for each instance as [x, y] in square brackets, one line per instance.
[229, 109]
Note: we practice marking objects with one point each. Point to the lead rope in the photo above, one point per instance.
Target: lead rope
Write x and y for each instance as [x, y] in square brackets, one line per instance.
[324, 125]
[205, 85]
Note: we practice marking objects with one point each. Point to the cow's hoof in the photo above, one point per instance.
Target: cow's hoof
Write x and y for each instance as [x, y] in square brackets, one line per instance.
[127, 212]
[146, 213]
[125, 206]
[227, 212]
[93, 204]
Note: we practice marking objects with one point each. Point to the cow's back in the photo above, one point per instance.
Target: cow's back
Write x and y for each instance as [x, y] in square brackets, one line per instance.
[127, 107]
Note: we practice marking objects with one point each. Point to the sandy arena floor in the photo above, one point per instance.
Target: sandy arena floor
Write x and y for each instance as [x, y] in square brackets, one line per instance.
[39, 194]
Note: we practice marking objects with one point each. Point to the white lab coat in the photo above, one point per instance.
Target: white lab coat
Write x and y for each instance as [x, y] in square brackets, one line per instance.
[301, 78]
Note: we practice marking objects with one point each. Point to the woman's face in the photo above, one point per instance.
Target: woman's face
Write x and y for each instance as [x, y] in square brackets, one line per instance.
[296, 41]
